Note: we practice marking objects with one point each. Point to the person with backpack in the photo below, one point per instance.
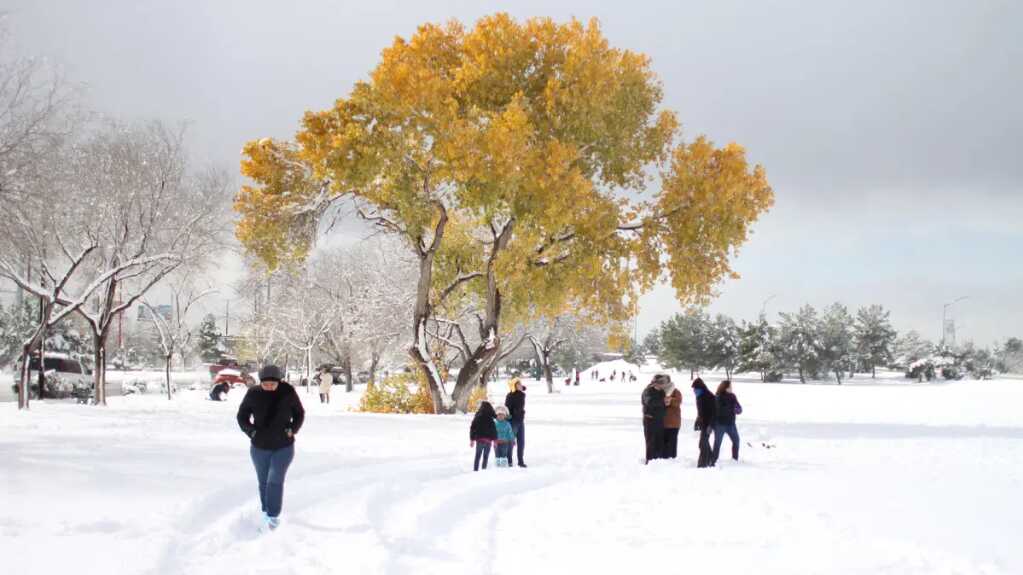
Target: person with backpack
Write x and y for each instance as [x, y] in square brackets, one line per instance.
[672, 419]
[727, 407]
[271, 414]
[653, 401]
[482, 433]
[705, 409]
[515, 401]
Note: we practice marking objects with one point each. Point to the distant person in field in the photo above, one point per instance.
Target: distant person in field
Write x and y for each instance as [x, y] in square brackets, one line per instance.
[482, 433]
[577, 377]
[505, 436]
[325, 379]
[672, 419]
[654, 409]
[515, 401]
[727, 408]
[271, 415]
[219, 391]
[705, 408]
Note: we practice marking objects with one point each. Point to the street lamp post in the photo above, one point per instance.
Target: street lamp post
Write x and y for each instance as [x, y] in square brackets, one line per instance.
[763, 307]
[944, 318]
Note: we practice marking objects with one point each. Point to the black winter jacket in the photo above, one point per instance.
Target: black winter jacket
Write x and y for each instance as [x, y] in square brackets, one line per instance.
[706, 408]
[267, 416]
[727, 406]
[516, 404]
[653, 403]
[220, 388]
[483, 426]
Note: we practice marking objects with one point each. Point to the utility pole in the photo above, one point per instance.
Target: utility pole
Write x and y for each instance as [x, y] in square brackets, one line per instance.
[227, 319]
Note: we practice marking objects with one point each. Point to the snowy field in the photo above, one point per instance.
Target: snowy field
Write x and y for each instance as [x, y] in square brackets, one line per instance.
[863, 479]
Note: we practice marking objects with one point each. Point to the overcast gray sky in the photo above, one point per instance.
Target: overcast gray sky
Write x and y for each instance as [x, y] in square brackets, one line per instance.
[891, 131]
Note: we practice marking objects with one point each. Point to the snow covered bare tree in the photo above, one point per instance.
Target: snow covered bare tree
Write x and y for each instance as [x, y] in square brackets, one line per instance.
[175, 332]
[144, 207]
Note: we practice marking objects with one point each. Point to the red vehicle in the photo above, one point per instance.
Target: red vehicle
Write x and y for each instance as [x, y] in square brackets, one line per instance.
[234, 377]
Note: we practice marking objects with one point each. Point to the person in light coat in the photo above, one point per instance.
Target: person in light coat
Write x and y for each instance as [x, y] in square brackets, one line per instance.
[326, 380]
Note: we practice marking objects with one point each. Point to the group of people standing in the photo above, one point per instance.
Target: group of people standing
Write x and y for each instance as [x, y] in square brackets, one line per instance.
[662, 419]
[503, 428]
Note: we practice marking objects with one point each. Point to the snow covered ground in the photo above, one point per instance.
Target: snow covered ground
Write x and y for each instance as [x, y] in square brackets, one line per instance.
[863, 479]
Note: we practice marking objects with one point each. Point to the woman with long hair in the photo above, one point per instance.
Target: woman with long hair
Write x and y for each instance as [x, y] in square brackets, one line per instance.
[727, 407]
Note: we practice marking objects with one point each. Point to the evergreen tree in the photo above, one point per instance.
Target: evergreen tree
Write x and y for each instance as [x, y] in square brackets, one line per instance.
[836, 340]
[684, 341]
[1009, 356]
[756, 348]
[209, 345]
[798, 341]
[874, 337]
[909, 349]
[723, 344]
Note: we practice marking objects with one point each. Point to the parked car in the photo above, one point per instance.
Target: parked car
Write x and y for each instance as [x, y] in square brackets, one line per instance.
[234, 377]
[64, 376]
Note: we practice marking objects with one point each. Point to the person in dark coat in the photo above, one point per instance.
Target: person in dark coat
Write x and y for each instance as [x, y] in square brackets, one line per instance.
[705, 409]
[271, 415]
[515, 401]
[672, 420]
[727, 407]
[482, 433]
[654, 408]
[220, 390]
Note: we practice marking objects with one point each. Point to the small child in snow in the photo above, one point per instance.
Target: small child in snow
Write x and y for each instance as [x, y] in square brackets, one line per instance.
[505, 437]
[482, 432]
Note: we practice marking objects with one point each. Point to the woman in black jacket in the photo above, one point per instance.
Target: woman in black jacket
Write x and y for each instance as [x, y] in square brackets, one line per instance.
[727, 408]
[705, 409]
[482, 433]
[271, 414]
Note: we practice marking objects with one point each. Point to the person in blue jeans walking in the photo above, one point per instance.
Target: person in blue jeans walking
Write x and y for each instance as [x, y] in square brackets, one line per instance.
[515, 401]
[727, 408]
[271, 415]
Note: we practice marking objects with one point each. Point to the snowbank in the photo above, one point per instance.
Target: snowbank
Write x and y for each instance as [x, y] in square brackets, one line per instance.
[862, 479]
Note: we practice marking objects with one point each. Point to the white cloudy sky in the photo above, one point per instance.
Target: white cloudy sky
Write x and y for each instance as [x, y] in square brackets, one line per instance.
[891, 131]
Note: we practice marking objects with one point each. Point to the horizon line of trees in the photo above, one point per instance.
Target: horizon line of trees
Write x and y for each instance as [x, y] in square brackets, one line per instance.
[814, 344]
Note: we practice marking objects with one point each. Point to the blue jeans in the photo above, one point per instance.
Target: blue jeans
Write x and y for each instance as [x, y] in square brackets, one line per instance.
[482, 450]
[519, 427]
[271, 467]
[719, 436]
[504, 451]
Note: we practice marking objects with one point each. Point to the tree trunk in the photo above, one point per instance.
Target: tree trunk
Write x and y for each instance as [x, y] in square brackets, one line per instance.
[308, 368]
[347, 364]
[543, 360]
[24, 385]
[486, 353]
[801, 378]
[838, 376]
[373, 363]
[166, 370]
[873, 372]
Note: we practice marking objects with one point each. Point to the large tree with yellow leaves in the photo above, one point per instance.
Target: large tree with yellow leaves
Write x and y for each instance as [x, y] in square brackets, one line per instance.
[528, 166]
